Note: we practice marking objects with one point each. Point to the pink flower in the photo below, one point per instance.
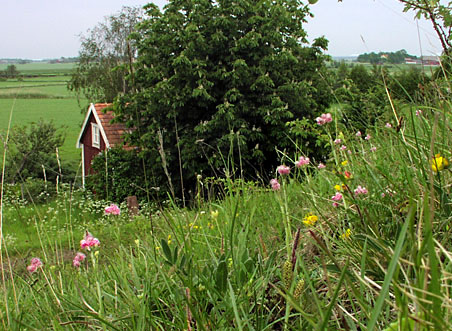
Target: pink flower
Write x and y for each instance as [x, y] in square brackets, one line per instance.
[337, 141]
[335, 204]
[358, 134]
[283, 170]
[388, 125]
[112, 209]
[89, 241]
[360, 190]
[78, 259]
[343, 148]
[302, 161]
[324, 118]
[349, 152]
[321, 166]
[36, 261]
[35, 264]
[418, 112]
[373, 149]
[337, 197]
[368, 137]
[32, 268]
[275, 185]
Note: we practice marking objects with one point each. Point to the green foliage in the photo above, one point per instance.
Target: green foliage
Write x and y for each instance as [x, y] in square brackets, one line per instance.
[105, 58]
[408, 85]
[385, 57]
[32, 152]
[362, 96]
[33, 190]
[10, 72]
[120, 173]
[216, 83]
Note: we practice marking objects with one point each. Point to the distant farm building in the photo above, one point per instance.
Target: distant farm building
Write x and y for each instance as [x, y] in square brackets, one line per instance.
[425, 60]
[409, 60]
[98, 134]
[430, 60]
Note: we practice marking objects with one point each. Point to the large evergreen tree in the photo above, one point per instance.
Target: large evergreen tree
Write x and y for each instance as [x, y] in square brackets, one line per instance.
[216, 83]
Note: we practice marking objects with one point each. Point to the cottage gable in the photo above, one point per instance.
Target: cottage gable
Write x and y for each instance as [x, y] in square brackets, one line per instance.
[98, 134]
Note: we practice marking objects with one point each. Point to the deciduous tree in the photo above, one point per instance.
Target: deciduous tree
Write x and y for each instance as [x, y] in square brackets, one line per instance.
[216, 83]
[105, 57]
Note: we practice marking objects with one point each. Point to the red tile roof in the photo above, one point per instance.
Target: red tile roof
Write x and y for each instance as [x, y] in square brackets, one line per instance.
[113, 131]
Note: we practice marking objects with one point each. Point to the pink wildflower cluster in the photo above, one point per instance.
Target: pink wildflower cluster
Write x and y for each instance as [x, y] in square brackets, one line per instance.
[343, 148]
[89, 241]
[283, 170]
[35, 264]
[388, 125]
[321, 166]
[360, 190]
[324, 118]
[112, 209]
[368, 137]
[418, 112]
[275, 185]
[78, 259]
[337, 197]
[302, 161]
[358, 134]
[337, 141]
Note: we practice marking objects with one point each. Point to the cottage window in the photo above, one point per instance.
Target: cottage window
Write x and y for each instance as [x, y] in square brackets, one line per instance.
[95, 135]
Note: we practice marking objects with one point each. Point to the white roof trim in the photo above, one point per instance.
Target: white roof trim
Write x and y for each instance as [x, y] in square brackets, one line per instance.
[92, 110]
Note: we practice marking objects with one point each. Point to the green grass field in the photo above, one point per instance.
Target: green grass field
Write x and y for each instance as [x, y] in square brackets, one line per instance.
[44, 96]
[63, 112]
[42, 68]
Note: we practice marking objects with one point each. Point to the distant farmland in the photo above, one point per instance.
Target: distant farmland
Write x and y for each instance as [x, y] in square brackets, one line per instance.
[42, 93]
[42, 68]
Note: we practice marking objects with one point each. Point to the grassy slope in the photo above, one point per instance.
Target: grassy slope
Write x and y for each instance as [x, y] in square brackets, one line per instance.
[230, 255]
[44, 97]
[41, 68]
[63, 112]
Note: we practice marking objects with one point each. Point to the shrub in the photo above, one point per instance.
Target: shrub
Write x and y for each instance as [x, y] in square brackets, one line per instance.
[31, 190]
[119, 173]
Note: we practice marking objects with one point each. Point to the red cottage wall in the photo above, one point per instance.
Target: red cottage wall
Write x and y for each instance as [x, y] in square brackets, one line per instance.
[89, 151]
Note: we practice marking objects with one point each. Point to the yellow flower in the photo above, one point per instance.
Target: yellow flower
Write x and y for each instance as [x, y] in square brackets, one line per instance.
[310, 219]
[439, 163]
[344, 163]
[340, 187]
[214, 214]
[346, 234]
[137, 242]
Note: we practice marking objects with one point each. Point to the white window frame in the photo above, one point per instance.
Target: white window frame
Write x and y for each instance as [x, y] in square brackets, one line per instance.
[95, 135]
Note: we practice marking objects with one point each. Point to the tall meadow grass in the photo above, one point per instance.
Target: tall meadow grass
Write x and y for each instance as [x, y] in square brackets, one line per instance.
[363, 243]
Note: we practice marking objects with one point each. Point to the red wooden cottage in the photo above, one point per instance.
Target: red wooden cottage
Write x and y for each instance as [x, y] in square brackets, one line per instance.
[97, 135]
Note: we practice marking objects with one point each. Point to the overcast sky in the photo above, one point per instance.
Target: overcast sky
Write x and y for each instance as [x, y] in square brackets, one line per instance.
[50, 28]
